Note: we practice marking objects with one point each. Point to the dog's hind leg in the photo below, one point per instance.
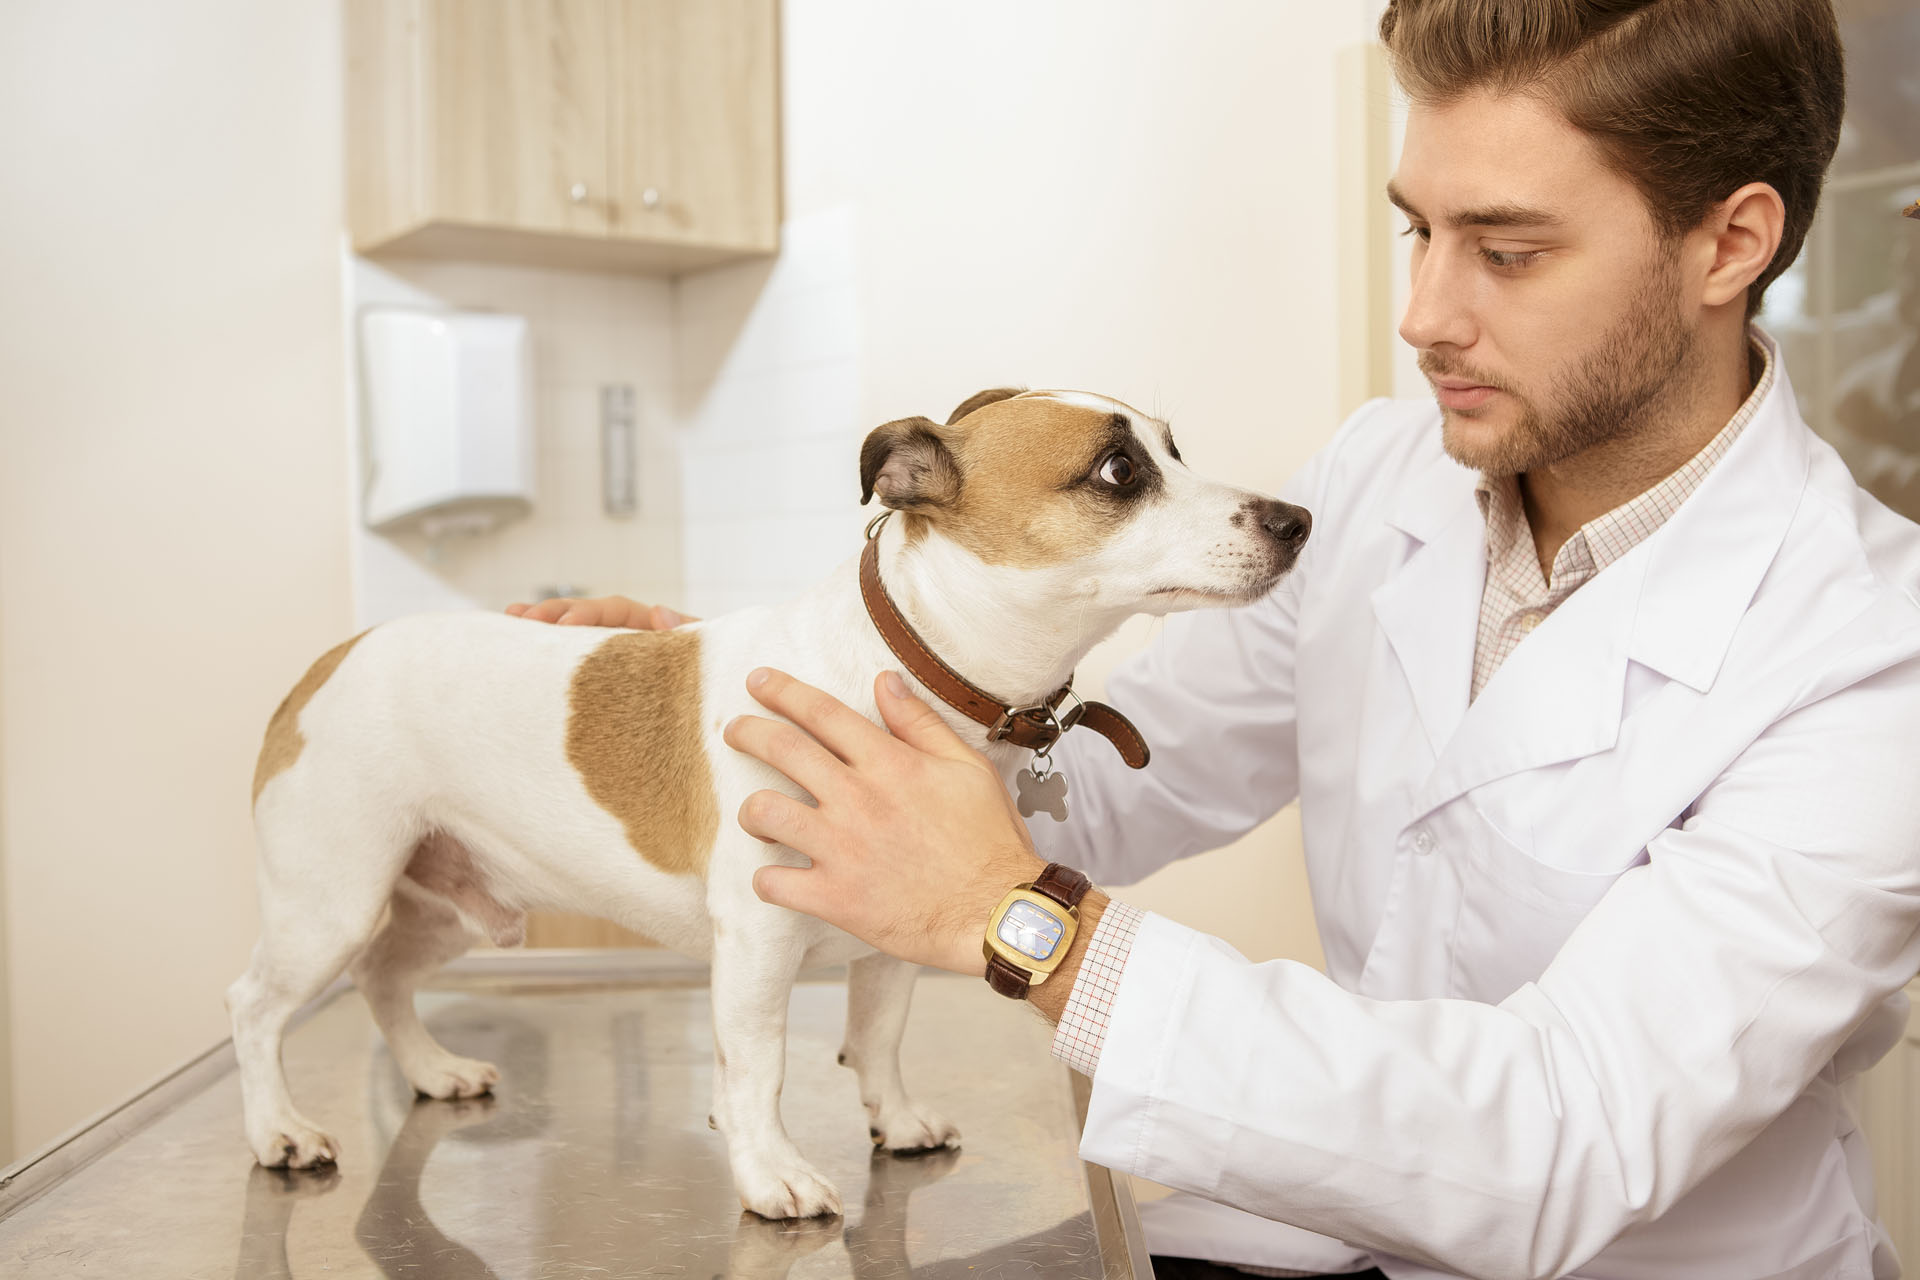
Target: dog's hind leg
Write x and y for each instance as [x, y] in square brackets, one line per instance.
[324, 878]
[879, 989]
[423, 932]
[752, 981]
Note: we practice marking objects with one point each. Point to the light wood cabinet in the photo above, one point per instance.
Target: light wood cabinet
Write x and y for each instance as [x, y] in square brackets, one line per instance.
[627, 134]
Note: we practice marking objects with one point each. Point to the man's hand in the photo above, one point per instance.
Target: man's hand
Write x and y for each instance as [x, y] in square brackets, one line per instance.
[601, 611]
[913, 838]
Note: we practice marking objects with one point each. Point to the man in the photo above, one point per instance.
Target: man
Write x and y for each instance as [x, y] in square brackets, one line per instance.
[1598, 686]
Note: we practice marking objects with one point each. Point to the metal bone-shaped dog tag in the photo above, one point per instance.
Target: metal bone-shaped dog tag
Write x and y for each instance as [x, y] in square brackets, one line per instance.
[1042, 791]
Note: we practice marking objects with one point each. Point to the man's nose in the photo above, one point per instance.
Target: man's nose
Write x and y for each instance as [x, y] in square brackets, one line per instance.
[1437, 312]
[1285, 523]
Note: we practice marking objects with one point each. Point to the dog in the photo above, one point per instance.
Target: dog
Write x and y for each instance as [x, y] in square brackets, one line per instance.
[431, 780]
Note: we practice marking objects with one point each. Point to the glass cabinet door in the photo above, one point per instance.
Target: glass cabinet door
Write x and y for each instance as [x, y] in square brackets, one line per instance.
[1848, 312]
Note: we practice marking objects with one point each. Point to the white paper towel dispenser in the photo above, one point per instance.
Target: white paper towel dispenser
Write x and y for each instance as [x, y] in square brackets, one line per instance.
[448, 399]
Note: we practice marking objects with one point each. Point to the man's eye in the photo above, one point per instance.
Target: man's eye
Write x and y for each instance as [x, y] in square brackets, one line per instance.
[1117, 470]
[1423, 232]
[1505, 259]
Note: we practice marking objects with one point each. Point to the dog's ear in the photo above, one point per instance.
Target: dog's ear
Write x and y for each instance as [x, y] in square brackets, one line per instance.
[908, 465]
[981, 399]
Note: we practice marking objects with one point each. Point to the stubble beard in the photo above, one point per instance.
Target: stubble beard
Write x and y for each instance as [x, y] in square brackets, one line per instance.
[1634, 377]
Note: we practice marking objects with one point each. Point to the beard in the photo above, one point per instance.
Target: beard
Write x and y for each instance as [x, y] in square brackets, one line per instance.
[1620, 387]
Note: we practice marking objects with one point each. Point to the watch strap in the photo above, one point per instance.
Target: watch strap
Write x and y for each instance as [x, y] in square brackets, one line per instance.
[1063, 884]
[1007, 979]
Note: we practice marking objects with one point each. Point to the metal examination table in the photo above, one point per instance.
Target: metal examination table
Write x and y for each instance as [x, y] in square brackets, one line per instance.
[594, 1159]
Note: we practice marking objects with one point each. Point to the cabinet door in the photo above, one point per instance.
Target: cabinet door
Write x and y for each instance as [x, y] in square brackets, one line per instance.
[517, 92]
[694, 123]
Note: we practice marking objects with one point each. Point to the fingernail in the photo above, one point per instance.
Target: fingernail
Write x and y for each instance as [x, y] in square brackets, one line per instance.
[895, 685]
[757, 678]
[563, 617]
[673, 619]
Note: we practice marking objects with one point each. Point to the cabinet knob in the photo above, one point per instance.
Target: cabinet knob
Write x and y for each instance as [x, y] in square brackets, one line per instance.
[577, 193]
[650, 197]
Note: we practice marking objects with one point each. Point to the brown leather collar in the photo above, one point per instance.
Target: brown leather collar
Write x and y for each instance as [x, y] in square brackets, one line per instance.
[1035, 727]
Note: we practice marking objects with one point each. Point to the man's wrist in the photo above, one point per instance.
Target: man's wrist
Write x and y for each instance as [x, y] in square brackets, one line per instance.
[1050, 997]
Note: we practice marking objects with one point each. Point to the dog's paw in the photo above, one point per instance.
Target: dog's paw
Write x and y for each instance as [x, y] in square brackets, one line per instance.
[452, 1077]
[790, 1190]
[910, 1128]
[290, 1144]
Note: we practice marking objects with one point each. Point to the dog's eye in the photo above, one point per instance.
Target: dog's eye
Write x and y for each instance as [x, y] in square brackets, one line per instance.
[1117, 471]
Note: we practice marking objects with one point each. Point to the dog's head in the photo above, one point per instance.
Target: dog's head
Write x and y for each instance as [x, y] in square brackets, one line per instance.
[1086, 492]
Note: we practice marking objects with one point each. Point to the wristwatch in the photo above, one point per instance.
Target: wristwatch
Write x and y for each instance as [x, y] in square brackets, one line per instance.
[1029, 933]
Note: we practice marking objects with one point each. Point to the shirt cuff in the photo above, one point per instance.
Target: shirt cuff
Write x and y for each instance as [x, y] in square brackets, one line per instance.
[1082, 1030]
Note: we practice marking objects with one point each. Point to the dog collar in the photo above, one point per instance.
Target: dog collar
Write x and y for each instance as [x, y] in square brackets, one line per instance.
[1036, 726]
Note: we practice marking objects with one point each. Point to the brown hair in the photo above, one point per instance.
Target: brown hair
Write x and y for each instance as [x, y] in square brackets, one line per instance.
[1687, 99]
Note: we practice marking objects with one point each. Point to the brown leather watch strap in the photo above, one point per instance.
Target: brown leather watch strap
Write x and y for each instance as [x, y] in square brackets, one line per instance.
[1064, 885]
[1006, 979]
[1035, 727]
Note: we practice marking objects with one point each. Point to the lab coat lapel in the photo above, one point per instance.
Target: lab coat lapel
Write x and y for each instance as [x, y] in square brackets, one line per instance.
[1671, 604]
[1429, 609]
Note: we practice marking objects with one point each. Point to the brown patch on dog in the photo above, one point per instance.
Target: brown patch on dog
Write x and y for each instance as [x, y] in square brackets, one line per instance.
[284, 740]
[1018, 458]
[980, 400]
[633, 732]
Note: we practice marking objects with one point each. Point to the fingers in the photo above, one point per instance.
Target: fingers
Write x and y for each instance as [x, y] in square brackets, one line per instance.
[789, 750]
[602, 611]
[783, 886]
[662, 618]
[914, 722]
[774, 818]
[844, 731]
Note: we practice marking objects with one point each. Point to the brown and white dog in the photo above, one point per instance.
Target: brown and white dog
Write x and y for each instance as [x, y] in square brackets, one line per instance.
[433, 779]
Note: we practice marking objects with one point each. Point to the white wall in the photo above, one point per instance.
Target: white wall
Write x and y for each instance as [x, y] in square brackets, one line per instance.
[173, 504]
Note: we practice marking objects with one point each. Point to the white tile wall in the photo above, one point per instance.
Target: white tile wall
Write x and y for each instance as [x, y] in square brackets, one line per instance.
[768, 377]
[747, 384]
[589, 330]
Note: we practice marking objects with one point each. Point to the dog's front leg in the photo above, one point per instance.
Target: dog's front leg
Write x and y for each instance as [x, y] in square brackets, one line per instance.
[879, 989]
[754, 965]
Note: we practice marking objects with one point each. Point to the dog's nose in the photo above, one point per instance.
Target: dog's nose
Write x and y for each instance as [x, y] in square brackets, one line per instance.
[1285, 523]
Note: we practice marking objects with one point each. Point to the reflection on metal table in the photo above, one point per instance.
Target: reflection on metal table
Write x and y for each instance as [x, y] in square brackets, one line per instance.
[594, 1158]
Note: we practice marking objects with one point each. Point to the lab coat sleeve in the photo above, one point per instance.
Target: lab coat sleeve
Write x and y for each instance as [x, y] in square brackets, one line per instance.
[1213, 697]
[1688, 1010]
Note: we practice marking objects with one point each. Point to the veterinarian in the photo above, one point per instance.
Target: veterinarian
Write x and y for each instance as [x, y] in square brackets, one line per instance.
[1598, 683]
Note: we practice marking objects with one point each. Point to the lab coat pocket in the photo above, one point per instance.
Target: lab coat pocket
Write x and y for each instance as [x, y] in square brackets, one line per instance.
[1515, 911]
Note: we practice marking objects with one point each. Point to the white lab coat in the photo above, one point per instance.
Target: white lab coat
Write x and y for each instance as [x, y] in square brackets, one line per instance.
[1603, 948]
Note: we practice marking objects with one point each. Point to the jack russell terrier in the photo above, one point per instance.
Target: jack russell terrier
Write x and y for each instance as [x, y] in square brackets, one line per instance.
[432, 780]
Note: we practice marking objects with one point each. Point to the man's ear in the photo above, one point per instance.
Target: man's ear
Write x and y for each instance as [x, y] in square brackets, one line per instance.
[981, 399]
[908, 465]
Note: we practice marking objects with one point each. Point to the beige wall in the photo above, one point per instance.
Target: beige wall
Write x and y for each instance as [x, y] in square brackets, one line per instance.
[1133, 197]
[172, 504]
[1137, 198]
[6, 1013]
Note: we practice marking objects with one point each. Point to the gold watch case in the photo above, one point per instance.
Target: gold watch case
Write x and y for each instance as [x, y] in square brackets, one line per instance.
[1018, 914]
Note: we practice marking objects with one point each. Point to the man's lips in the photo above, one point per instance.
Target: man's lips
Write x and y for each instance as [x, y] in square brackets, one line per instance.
[1458, 393]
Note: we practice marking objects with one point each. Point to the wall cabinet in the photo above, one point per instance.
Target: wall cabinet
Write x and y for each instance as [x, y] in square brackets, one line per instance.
[628, 134]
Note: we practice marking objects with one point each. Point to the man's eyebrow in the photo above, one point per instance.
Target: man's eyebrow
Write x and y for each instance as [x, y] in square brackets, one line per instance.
[1497, 215]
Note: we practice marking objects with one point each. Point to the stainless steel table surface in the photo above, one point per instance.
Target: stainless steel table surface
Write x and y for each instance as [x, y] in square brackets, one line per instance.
[594, 1157]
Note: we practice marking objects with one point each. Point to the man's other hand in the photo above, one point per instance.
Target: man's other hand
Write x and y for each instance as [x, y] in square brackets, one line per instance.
[602, 611]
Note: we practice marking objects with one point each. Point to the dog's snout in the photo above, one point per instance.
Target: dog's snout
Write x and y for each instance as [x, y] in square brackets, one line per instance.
[1285, 523]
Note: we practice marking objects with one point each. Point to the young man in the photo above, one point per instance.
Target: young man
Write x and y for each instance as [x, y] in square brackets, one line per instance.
[1598, 684]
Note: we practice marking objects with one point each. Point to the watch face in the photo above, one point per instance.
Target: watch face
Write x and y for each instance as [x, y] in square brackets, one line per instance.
[1030, 930]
